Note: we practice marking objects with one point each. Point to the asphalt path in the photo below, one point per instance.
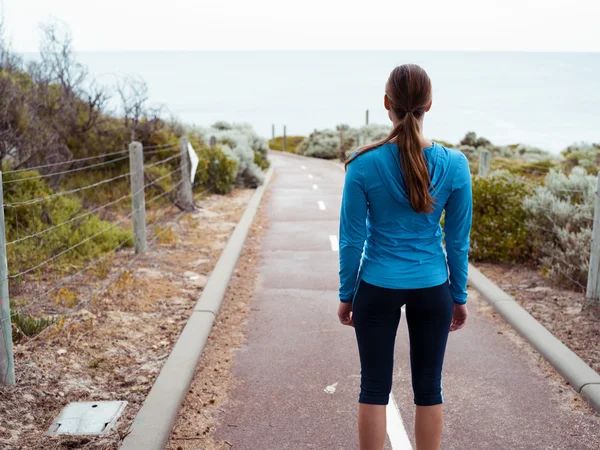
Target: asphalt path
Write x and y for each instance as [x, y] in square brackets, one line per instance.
[298, 374]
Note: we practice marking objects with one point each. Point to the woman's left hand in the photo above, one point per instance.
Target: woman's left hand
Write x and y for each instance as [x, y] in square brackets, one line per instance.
[345, 313]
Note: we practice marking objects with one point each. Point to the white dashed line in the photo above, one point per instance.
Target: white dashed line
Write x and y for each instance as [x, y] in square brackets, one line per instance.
[303, 167]
[395, 428]
[315, 187]
[310, 175]
[322, 206]
[333, 240]
[331, 388]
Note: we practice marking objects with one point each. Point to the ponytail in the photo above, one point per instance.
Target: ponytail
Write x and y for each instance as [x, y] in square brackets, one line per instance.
[414, 165]
[409, 92]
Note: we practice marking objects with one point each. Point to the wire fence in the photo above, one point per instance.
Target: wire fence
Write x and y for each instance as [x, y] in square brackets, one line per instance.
[175, 180]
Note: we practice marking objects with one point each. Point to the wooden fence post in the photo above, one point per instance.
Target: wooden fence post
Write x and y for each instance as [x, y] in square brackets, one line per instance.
[592, 296]
[284, 138]
[485, 159]
[138, 202]
[7, 362]
[186, 196]
[367, 117]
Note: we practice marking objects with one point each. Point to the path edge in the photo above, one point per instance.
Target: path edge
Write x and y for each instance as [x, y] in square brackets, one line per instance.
[581, 377]
[154, 422]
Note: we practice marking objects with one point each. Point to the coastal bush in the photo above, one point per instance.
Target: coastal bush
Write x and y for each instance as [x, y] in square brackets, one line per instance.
[261, 161]
[372, 133]
[323, 144]
[472, 140]
[292, 143]
[584, 155]
[535, 171]
[500, 232]
[89, 236]
[241, 143]
[217, 170]
[560, 217]
[341, 142]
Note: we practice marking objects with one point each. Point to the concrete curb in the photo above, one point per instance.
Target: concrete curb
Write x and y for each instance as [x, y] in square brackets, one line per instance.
[154, 422]
[580, 376]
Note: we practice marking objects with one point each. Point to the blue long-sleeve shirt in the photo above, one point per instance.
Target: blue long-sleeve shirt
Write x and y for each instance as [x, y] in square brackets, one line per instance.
[391, 245]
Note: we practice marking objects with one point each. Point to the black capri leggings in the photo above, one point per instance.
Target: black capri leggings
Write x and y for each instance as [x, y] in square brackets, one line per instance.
[376, 313]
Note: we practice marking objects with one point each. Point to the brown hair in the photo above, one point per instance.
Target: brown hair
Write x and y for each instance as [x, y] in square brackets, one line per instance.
[408, 91]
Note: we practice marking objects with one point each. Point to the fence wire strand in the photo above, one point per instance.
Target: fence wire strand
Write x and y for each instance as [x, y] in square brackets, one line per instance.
[155, 230]
[71, 161]
[97, 261]
[84, 188]
[79, 169]
[113, 279]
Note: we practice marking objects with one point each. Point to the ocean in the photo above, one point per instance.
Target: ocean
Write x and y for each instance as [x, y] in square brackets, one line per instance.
[547, 100]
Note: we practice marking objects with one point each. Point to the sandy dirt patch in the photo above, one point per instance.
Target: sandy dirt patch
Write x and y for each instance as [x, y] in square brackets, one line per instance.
[560, 310]
[114, 347]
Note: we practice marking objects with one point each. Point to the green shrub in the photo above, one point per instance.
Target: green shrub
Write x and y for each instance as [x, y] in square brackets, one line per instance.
[24, 220]
[323, 144]
[292, 143]
[534, 170]
[584, 155]
[499, 232]
[217, 170]
[31, 326]
[261, 161]
[239, 141]
[161, 177]
[472, 140]
[561, 218]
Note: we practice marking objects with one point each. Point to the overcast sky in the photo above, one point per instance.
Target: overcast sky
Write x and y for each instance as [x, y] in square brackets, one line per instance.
[529, 25]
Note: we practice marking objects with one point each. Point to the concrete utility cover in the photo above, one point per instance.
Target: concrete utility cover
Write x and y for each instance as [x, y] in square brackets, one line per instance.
[87, 418]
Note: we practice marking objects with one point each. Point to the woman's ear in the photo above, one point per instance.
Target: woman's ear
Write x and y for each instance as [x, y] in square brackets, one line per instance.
[429, 106]
[386, 102]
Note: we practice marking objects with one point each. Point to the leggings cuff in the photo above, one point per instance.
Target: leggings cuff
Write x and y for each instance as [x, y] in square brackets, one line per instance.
[429, 401]
[373, 400]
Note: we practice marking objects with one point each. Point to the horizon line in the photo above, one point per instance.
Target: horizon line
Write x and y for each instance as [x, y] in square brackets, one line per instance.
[319, 50]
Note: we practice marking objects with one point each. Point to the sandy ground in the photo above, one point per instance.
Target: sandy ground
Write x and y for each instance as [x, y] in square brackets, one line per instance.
[209, 391]
[114, 347]
[560, 310]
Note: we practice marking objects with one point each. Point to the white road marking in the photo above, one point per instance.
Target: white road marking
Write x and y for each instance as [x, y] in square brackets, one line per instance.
[331, 389]
[315, 187]
[303, 167]
[333, 240]
[310, 175]
[395, 428]
[322, 206]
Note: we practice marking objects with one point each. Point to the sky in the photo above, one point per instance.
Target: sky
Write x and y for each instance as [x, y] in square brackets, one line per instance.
[151, 25]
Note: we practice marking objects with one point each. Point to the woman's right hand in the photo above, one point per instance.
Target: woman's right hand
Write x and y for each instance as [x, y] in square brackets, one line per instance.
[459, 318]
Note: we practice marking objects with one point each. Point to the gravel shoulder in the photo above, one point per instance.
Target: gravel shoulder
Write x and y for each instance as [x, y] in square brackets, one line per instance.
[558, 309]
[114, 347]
[204, 405]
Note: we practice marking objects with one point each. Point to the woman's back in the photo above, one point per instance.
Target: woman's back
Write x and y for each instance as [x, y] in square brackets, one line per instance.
[391, 257]
[403, 248]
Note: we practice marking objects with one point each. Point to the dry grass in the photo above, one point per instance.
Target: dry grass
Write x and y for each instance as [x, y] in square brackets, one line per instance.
[113, 346]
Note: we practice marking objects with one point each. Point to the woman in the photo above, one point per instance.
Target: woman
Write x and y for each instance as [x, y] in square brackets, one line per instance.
[391, 255]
